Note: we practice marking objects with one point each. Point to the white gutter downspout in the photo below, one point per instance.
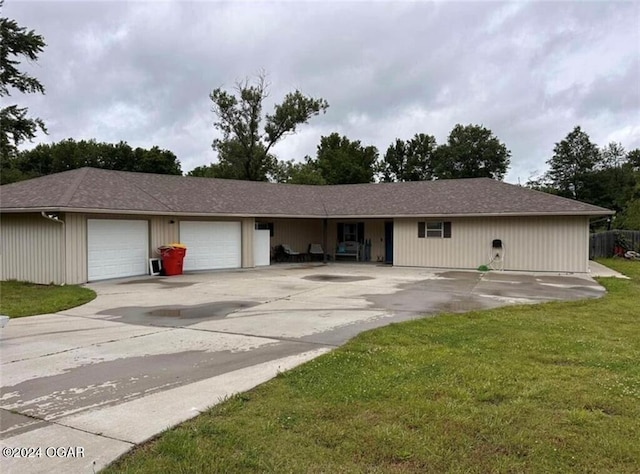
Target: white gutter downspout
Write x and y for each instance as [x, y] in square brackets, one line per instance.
[63, 252]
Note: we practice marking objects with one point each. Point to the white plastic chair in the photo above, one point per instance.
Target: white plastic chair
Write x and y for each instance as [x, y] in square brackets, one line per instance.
[289, 252]
[316, 251]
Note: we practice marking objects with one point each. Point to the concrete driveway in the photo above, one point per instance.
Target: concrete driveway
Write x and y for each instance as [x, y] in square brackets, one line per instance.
[151, 352]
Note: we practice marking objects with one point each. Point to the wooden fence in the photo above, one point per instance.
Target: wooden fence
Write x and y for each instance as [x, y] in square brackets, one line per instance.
[602, 243]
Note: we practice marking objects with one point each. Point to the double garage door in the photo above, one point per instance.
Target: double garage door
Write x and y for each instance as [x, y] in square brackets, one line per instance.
[120, 248]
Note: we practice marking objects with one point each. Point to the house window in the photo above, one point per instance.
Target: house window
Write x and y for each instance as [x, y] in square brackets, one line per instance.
[351, 232]
[434, 230]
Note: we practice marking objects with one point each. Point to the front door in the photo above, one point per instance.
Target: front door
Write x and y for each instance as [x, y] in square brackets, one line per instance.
[388, 242]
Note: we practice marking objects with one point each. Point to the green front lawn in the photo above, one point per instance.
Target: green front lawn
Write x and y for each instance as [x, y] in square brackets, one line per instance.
[18, 298]
[544, 388]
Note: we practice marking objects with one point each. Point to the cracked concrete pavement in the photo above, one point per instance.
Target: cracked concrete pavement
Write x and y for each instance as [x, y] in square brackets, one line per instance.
[151, 352]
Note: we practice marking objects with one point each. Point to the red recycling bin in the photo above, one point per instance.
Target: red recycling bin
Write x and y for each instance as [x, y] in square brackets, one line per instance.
[172, 259]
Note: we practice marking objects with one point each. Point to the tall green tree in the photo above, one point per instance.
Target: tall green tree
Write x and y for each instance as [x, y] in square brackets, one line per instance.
[607, 177]
[245, 146]
[629, 218]
[409, 161]
[633, 157]
[614, 183]
[16, 45]
[612, 155]
[155, 160]
[306, 172]
[231, 161]
[573, 159]
[342, 161]
[629, 215]
[205, 171]
[611, 187]
[472, 151]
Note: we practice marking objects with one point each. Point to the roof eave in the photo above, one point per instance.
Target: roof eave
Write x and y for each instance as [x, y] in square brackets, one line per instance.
[483, 214]
[135, 212]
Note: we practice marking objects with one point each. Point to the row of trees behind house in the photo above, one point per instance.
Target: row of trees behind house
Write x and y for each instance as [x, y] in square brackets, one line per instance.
[69, 154]
[470, 152]
[244, 150]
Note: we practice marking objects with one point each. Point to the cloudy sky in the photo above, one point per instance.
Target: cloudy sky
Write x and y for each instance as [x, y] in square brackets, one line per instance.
[529, 71]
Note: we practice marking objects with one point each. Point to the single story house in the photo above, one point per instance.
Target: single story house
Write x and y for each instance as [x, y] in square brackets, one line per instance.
[92, 224]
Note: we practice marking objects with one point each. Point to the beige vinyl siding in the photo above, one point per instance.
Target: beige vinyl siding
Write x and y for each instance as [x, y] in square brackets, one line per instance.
[36, 249]
[373, 229]
[31, 248]
[76, 248]
[557, 244]
[298, 233]
[164, 230]
[248, 228]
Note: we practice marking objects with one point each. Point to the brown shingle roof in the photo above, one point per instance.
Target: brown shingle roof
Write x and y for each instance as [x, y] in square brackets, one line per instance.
[96, 190]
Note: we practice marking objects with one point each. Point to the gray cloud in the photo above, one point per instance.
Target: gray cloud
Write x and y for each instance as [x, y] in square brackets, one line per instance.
[530, 71]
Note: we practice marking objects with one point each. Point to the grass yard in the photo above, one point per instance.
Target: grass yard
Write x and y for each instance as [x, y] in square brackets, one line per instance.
[545, 388]
[18, 298]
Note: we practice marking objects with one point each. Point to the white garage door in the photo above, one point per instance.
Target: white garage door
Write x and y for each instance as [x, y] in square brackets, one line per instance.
[211, 245]
[117, 248]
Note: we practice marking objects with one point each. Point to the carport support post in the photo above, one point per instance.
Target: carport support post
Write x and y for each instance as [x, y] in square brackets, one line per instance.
[325, 225]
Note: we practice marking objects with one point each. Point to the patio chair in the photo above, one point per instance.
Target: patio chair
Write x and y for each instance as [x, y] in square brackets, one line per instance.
[290, 253]
[316, 252]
